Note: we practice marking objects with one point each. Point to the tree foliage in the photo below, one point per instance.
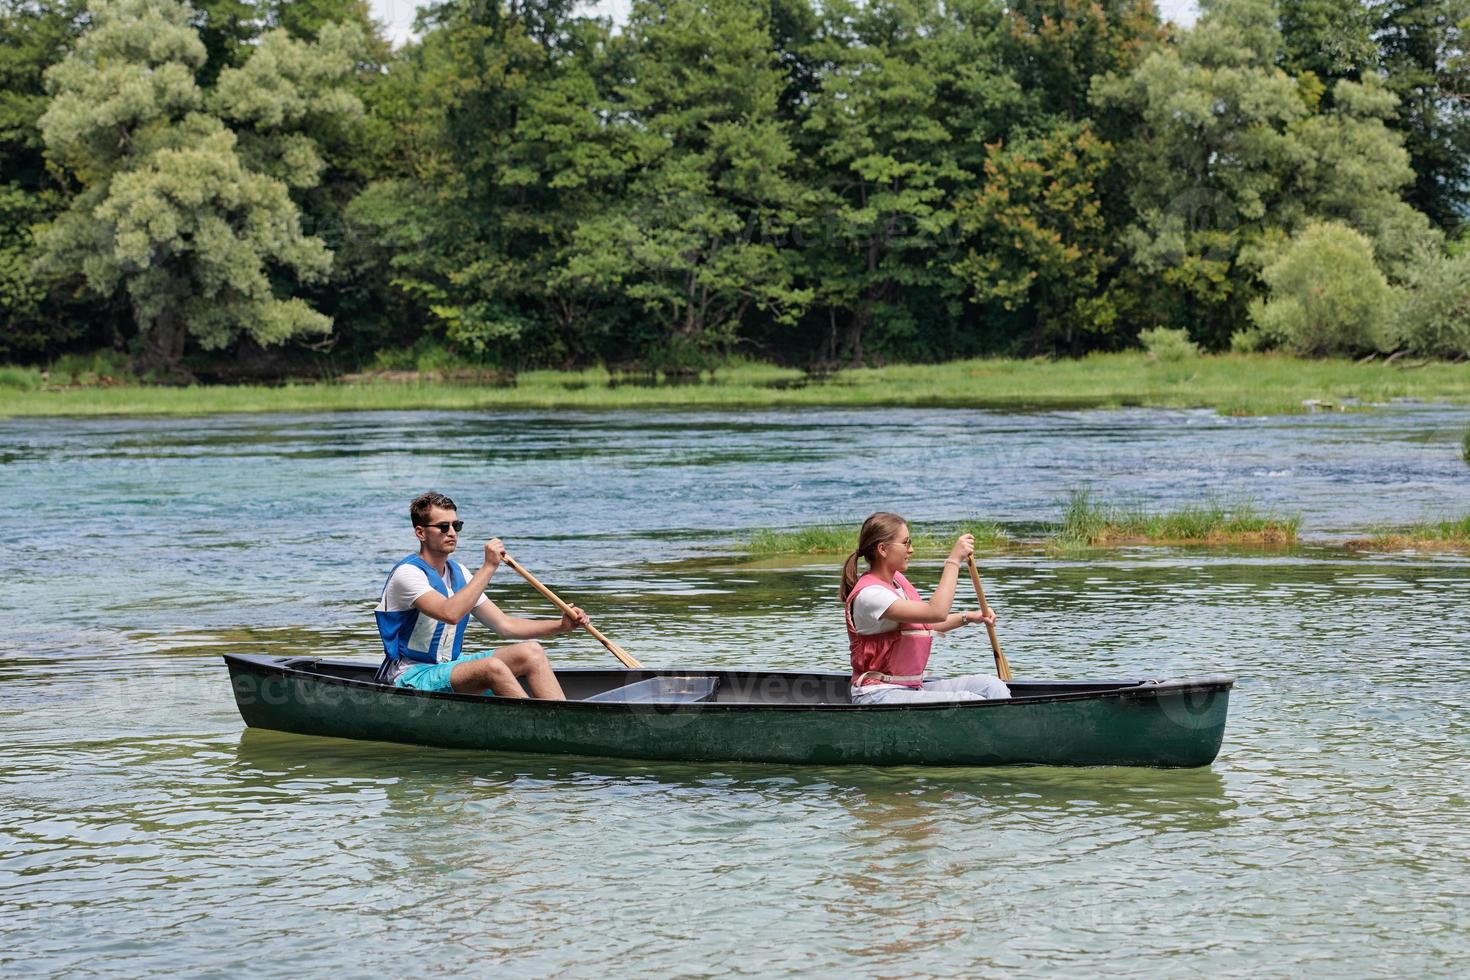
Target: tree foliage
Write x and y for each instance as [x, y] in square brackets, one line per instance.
[1326, 295]
[1433, 318]
[816, 181]
[1040, 241]
[171, 210]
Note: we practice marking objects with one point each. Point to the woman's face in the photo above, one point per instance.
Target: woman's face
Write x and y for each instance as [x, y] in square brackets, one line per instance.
[897, 550]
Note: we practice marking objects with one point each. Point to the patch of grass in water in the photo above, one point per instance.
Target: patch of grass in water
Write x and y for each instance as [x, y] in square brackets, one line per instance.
[1089, 521]
[1452, 534]
[1465, 452]
[840, 539]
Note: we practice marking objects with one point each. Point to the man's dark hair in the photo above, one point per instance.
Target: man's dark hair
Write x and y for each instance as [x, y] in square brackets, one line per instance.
[418, 511]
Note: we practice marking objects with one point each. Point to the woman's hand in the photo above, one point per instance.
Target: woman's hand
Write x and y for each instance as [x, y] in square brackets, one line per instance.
[575, 621]
[974, 617]
[964, 547]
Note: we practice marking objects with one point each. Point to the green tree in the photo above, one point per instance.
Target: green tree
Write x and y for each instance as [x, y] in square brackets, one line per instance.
[693, 241]
[1230, 155]
[1350, 167]
[1330, 39]
[170, 212]
[492, 148]
[36, 315]
[1042, 243]
[1422, 46]
[1434, 317]
[1326, 295]
[227, 28]
[1058, 46]
[908, 96]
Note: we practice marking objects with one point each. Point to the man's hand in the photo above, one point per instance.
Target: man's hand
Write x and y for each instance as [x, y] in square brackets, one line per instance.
[578, 619]
[494, 552]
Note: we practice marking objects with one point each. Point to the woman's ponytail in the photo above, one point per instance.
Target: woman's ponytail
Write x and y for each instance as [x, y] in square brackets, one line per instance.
[849, 575]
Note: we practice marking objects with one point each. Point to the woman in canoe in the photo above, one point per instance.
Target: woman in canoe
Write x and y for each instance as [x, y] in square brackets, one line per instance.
[890, 628]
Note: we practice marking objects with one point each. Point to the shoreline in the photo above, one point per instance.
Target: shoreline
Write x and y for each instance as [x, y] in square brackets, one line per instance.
[1231, 384]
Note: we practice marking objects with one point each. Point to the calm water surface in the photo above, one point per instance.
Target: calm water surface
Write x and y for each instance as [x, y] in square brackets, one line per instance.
[145, 831]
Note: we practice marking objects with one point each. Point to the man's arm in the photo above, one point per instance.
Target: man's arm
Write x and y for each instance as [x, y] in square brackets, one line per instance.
[520, 628]
[456, 607]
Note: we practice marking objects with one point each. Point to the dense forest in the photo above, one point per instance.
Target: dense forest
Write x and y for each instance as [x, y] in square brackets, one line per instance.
[241, 186]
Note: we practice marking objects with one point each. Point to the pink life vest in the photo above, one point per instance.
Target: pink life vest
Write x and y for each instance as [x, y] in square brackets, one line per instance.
[892, 657]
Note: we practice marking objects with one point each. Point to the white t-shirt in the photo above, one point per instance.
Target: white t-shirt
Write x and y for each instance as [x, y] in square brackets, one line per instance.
[405, 585]
[868, 608]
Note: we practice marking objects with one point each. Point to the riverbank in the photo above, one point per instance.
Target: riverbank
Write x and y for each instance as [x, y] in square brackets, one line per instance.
[1236, 384]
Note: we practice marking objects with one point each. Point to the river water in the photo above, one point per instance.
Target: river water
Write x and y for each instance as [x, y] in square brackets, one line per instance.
[144, 830]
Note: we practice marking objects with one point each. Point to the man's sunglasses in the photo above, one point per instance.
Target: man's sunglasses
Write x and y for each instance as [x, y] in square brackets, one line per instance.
[444, 526]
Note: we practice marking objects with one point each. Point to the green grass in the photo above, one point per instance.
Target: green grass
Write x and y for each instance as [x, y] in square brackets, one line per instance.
[1230, 383]
[830, 539]
[1465, 451]
[1089, 521]
[1452, 534]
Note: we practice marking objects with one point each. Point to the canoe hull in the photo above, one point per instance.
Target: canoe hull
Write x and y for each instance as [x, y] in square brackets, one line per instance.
[759, 717]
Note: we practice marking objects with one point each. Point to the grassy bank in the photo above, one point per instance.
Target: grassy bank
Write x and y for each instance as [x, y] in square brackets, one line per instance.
[1089, 521]
[1086, 522]
[1446, 535]
[1230, 383]
[828, 539]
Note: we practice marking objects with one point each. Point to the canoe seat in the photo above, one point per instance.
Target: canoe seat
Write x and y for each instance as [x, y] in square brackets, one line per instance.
[662, 690]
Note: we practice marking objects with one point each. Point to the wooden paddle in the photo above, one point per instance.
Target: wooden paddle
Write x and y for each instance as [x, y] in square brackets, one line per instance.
[1002, 669]
[617, 651]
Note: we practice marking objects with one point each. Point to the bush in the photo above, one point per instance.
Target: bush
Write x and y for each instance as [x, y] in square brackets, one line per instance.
[22, 378]
[428, 355]
[1249, 339]
[1164, 344]
[1326, 295]
[1434, 314]
[100, 367]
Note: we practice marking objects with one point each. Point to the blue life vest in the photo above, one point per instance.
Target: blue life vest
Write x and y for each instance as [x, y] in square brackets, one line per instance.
[403, 639]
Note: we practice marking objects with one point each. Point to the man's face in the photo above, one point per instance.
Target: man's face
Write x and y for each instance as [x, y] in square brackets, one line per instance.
[438, 531]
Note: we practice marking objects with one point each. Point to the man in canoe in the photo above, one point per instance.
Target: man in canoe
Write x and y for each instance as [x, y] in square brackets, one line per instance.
[890, 627]
[427, 603]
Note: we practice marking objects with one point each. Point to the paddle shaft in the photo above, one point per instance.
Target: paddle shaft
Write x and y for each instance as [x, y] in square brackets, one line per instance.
[556, 600]
[1002, 669]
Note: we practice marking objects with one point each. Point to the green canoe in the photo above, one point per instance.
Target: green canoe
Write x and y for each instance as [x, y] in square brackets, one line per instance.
[749, 716]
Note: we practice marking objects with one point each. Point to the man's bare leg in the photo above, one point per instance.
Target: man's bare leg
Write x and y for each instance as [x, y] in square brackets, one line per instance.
[486, 673]
[528, 660]
[498, 673]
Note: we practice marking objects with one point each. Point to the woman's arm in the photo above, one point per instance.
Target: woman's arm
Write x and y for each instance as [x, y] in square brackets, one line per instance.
[936, 610]
[955, 620]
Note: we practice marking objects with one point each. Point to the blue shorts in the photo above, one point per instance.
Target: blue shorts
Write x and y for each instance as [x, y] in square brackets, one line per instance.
[434, 677]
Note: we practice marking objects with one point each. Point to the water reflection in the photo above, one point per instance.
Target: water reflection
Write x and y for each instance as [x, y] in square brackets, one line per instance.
[896, 802]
